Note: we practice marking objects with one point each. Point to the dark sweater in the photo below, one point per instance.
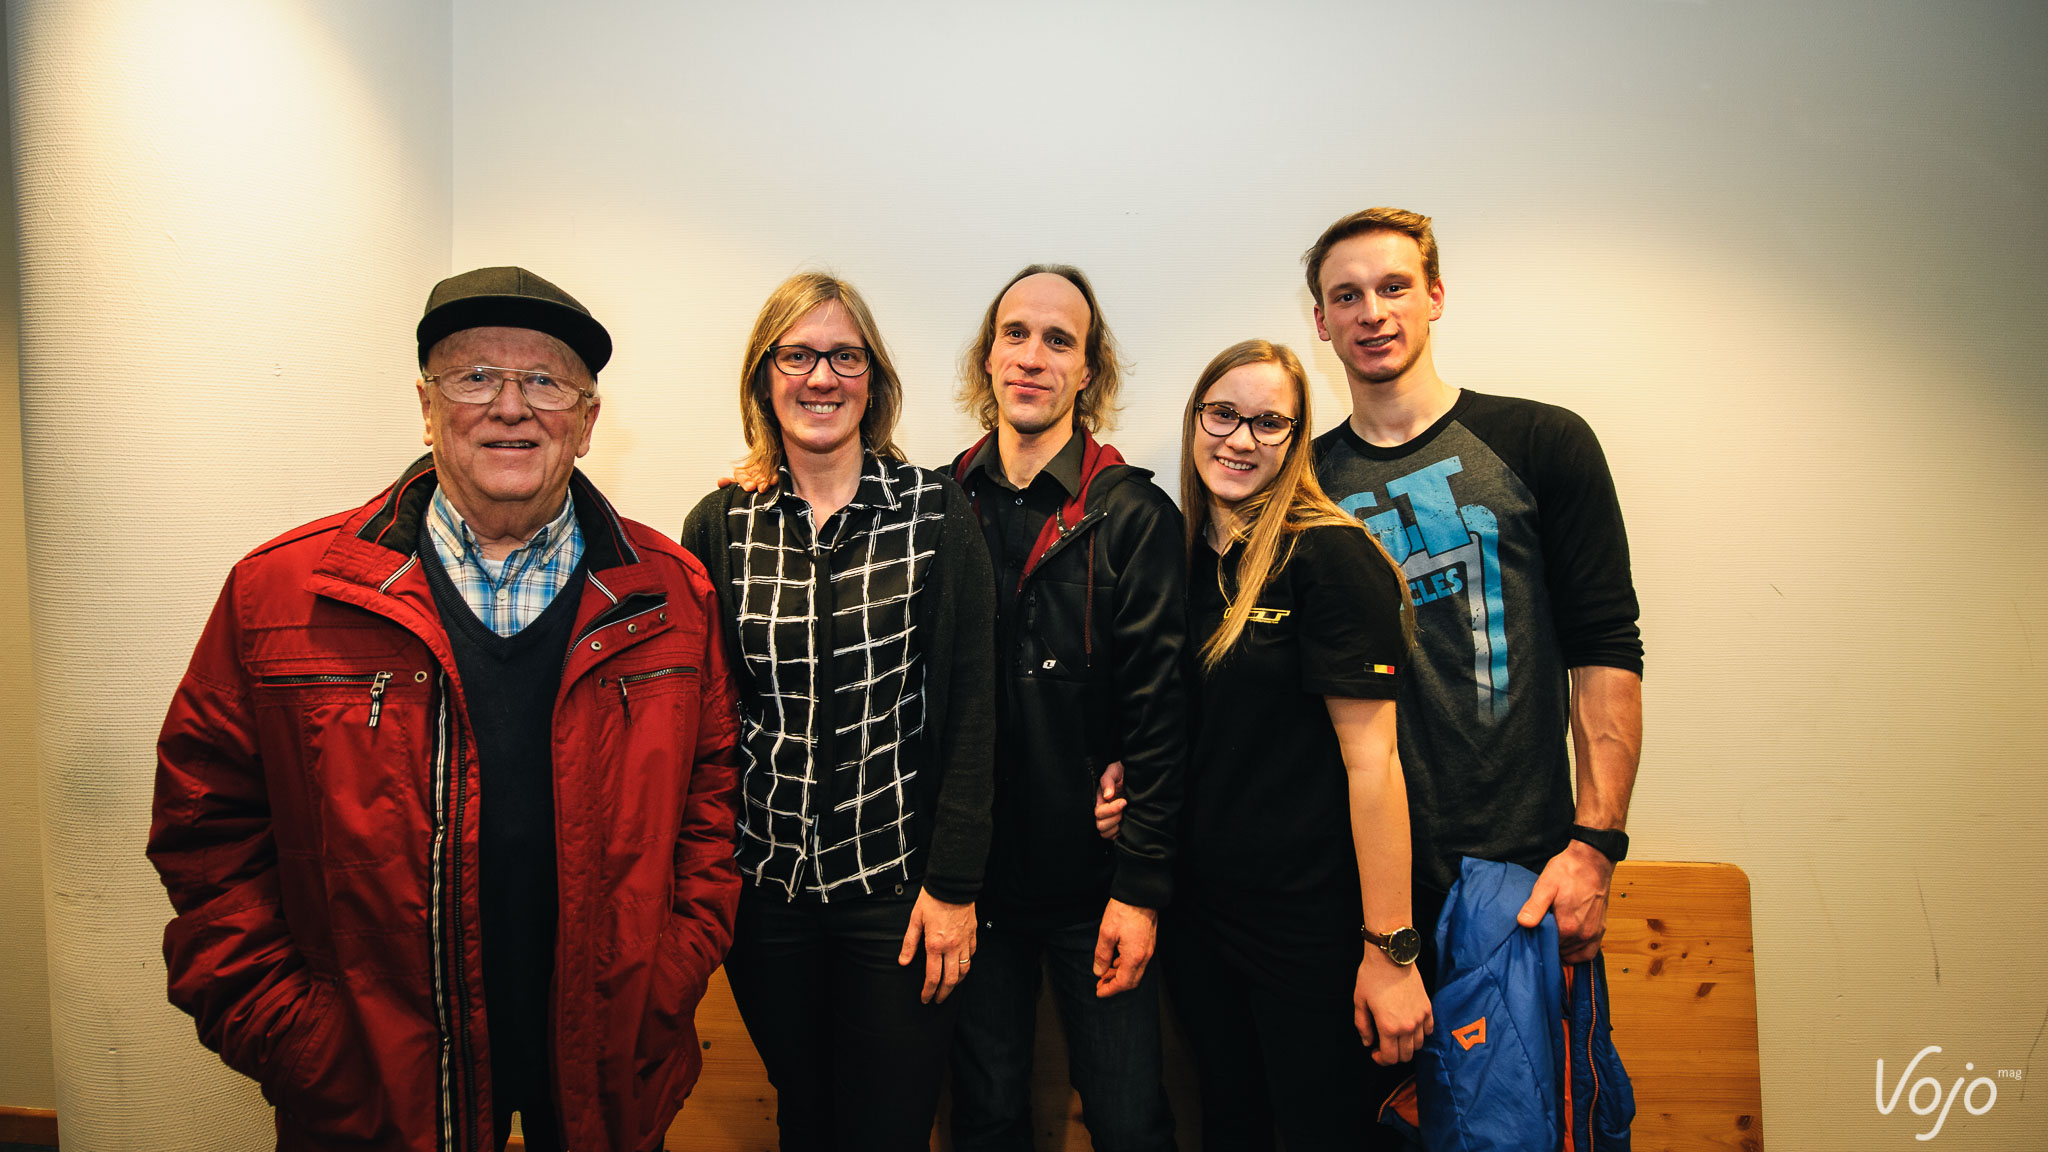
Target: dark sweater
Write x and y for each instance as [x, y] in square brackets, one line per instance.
[509, 685]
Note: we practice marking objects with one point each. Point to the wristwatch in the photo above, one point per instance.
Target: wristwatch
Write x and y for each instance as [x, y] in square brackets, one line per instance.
[1609, 842]
[1402, 945]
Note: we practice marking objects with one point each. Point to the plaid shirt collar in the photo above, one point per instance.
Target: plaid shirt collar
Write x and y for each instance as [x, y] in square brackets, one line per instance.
[508, 594]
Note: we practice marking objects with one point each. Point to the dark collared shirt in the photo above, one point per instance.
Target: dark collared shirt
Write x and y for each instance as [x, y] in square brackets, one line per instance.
[1011, 518]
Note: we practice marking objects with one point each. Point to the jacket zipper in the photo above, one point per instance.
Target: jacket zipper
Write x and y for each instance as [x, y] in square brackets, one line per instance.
[1085, 523]
[437, 913]
[605, 619]
[625, 702]
[457, 1086]
[467, 1065]
[376, 681]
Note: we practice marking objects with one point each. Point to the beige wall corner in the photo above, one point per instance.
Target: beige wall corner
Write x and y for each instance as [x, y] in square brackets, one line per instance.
[230, 211]
[26, 1080]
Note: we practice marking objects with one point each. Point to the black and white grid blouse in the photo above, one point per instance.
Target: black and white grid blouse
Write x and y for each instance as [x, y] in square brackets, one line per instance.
[829, 617]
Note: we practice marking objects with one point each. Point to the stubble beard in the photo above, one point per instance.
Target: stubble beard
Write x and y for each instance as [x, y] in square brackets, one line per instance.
[1035, 423]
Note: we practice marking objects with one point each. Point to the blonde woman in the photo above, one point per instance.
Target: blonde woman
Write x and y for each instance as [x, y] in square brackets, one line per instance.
[859, 607]
[1295, 835]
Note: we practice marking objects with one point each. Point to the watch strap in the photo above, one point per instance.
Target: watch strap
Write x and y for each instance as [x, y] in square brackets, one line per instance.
[1609, 842]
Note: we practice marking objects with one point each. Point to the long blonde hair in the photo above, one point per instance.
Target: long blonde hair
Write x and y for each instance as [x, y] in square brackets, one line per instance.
[791, 301]
[1271, 519]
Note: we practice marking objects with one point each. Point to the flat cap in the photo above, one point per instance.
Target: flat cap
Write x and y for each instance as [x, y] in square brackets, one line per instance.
[512, 298]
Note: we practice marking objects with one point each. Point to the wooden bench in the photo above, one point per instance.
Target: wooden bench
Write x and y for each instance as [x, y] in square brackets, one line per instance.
[1682, 979]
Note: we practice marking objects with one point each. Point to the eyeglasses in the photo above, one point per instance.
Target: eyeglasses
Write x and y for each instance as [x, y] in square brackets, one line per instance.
[802, 360]
[1222, 421]
[481, 383]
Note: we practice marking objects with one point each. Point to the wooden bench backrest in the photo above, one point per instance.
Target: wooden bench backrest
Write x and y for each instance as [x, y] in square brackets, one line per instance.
[1681, 975]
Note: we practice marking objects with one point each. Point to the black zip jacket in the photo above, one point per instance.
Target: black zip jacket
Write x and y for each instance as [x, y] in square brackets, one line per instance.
[1093, 675]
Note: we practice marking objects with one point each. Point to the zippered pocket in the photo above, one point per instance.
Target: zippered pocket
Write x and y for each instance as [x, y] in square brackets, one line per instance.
[345, 752]
[375, 681]
[625, 684]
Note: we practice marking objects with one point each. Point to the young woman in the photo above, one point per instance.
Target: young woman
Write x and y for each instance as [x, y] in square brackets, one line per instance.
[859, 607]
[1295, 835]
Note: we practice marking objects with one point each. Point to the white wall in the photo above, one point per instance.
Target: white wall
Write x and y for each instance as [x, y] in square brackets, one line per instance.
[230, 211]
[1786, 258]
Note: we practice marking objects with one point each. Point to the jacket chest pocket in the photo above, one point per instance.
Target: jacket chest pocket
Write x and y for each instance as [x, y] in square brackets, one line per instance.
[1057, 634]
[648, 719]
[649, 686]
[345, 753]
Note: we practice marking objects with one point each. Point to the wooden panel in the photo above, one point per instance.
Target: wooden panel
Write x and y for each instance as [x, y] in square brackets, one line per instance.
[1682, 976]
[1682, 980]
[28, 1126]
[733, 1107]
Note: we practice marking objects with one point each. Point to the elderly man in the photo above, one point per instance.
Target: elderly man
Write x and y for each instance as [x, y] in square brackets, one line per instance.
[444, 801]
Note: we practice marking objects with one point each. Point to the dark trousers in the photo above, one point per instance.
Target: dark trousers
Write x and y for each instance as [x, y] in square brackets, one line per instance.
[1113, 1052]
[855, 1058]
[1273, 1054]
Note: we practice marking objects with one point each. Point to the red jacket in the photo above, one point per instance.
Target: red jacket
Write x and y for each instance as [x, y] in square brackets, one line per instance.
[316, 824]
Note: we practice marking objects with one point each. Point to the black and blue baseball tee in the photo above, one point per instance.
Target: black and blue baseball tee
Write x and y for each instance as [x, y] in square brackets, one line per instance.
[1504, 518]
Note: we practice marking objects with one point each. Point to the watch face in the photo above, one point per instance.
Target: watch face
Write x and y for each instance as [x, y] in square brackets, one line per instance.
[1404, 945]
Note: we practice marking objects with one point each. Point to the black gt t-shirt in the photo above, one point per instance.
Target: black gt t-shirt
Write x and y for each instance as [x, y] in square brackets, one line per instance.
[1504, 518]
[1267, 844]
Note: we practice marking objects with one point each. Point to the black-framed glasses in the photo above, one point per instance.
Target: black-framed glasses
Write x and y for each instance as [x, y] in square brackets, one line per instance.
[481, 383]
[1222, 420]
[802, 360]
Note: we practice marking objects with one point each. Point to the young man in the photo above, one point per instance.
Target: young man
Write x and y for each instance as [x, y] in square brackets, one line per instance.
[431, 866]
[1503, 515]
[1090, 629]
